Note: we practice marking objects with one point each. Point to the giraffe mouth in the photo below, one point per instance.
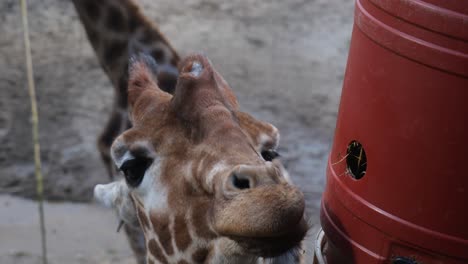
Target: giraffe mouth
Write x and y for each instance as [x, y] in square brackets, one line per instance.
[274, 246]
[265, 221]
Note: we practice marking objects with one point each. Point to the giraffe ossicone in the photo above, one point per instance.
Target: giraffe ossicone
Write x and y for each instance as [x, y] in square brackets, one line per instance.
[197, 178]
[197, 68]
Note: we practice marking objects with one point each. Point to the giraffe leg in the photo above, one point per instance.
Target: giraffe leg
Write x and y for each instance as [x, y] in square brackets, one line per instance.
[117, 123]
[167, 77]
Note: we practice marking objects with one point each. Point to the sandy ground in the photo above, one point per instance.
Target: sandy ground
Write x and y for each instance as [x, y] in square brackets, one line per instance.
[284, 59]
[76, 233]
[86, 233]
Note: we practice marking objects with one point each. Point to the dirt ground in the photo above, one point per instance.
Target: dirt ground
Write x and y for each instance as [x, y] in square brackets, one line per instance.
[285, 61]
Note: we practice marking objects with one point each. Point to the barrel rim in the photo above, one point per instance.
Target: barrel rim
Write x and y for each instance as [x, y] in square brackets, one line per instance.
[414, 48]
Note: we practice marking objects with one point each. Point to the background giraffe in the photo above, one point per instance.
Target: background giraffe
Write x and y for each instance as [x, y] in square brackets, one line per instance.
[116, 29]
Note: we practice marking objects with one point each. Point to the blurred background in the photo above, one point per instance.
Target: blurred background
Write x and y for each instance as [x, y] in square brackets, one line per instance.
[285, 61]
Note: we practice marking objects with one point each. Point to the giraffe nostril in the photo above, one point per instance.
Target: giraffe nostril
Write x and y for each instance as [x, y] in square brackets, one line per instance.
[240, 182]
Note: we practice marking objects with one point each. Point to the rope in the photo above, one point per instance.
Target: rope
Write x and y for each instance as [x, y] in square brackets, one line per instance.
[35, 128]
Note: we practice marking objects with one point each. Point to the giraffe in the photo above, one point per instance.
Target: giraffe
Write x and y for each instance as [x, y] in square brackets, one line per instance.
[202, 178]
[116, 29]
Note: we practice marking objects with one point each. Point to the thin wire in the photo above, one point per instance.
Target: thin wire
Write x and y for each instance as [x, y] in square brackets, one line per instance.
[35, 128]
[343, 158]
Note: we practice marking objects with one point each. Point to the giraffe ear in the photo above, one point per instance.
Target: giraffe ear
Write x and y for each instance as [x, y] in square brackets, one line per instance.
[143, 90]
[142, 72]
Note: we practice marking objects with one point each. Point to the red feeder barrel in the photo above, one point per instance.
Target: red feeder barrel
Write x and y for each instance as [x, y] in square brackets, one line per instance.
[397, 177]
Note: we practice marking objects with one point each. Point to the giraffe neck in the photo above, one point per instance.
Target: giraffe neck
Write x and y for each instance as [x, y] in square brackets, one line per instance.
[117, 28]
[175, 237]
[183, 237]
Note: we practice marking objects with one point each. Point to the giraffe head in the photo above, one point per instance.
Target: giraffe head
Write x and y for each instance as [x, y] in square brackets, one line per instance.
[202, 178]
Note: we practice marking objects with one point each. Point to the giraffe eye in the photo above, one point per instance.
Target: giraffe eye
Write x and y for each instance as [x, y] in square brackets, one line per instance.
[134, 170]
[269, 155]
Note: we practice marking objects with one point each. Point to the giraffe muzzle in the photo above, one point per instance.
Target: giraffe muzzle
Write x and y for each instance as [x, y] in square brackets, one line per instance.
[267, 220]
